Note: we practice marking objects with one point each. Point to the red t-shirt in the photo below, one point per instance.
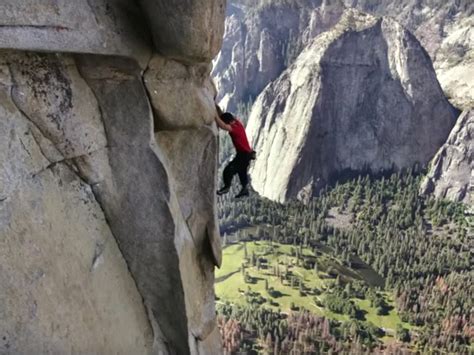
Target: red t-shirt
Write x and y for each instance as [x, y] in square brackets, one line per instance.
[239, 137]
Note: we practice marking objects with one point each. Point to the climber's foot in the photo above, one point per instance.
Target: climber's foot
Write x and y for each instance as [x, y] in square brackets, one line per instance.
[242, 193]
[223, 191]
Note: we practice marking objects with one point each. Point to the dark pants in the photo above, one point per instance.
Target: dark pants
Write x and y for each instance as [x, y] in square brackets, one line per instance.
[239, 165]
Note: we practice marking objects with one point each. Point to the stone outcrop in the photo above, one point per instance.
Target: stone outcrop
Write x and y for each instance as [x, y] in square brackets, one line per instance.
[187, 30]
[80, 26]
[263, 37]
[108, 228]
[362, 96]
[451, 173]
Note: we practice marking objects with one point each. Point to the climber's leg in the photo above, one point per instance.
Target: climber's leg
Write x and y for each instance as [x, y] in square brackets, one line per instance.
[229, 171]
[243, 175]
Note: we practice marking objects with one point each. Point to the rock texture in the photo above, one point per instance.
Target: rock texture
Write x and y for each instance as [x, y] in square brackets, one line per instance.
[363, 95]
[108, 228]
[263, 37]
[65, 284]
[451, 174]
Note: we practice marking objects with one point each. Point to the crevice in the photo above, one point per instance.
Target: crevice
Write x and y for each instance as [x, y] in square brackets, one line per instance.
[48, 167]
[98, 252]
[24, 147]
[99, 108]
[70, 162]
[38, 143]
[23, 113]
[189, 227]
[37, 27]
[157, 334]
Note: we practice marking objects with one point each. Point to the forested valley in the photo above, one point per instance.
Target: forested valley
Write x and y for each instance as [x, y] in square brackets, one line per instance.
[368, 266]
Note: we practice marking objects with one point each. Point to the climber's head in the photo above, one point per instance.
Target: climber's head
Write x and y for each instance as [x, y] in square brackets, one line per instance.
[227, 117]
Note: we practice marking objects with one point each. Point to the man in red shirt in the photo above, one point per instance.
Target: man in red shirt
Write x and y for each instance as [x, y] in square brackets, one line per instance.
[244, 153]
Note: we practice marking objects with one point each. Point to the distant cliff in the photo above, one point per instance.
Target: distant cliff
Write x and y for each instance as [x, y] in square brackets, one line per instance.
[263, 37]
[108, 149]
[361, 96]
[261, 40]
[451, 174]
[446, 31]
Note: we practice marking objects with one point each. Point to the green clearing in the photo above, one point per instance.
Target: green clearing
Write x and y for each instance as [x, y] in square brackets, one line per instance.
[232, 287]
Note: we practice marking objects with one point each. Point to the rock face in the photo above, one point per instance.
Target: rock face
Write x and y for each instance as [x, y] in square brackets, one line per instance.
[80, 26]
[451, 175]
[108, 230]
[446, 31]
[363, 95]
[186, 30]
[262, 38]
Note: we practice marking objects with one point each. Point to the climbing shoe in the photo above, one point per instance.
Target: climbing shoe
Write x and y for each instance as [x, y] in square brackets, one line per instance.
[223, 191]
[242, 193]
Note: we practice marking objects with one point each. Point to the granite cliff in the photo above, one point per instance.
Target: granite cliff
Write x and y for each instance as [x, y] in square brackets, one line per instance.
[451, 173]
[361, 96]
[108, 231]
[261, 40]
[446, 31]
[263, 37]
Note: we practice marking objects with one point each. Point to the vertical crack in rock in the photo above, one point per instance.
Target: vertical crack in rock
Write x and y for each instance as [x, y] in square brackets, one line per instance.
[136, 200]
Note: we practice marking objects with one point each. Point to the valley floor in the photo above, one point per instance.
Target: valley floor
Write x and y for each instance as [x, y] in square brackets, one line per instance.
[368, 266]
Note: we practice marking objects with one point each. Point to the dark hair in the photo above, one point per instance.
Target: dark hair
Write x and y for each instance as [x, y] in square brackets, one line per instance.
[227, 117]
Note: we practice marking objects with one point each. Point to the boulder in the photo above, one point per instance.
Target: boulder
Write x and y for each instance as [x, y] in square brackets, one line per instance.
[189, 31]
[182, 96]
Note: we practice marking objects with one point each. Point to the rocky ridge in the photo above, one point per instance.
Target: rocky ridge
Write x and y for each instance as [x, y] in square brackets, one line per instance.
[361, 96]
[446, 31]
[107, 242]
[259, 42]
[451, 174]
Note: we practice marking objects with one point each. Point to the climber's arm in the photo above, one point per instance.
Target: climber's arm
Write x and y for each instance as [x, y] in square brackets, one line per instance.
[221, 124]
[219, 110]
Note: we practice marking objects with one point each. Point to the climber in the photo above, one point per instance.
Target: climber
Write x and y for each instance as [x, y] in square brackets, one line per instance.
[244, 153]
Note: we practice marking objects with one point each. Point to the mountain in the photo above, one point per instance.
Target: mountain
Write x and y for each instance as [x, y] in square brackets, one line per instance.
[361, 96]
[446, 31]
[108, 228]
[261, 40]
[451, 174]
[263, 37]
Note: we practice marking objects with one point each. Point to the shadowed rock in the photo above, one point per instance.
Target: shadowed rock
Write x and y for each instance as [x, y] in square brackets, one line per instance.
[189, 31]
